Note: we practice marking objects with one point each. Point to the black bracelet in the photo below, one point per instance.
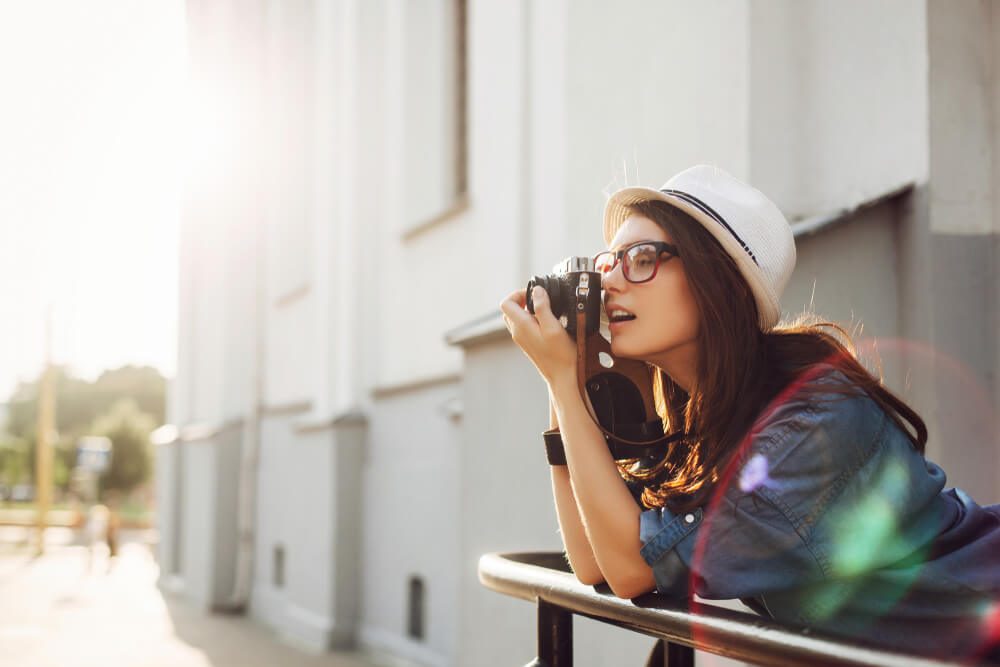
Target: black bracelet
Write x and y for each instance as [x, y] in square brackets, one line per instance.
[554, 447]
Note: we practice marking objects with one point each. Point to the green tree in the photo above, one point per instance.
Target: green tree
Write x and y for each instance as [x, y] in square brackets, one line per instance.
[14, 465]
[128, 428]
[144, 384]
[78, 404]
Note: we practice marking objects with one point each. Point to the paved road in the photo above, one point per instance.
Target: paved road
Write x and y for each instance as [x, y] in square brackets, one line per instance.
[66, 609]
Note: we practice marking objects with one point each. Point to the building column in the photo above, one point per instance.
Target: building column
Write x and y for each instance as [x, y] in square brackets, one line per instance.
[963, 107]
[327, 192]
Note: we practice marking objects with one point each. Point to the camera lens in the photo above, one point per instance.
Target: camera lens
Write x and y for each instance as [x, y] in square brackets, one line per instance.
[553, 286]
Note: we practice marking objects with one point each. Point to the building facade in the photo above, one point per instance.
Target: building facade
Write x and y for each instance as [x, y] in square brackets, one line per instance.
[354, 426]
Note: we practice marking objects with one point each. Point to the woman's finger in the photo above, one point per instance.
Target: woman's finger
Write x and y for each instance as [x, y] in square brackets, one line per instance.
[514, 314]
[543, 310]
[540, 336]
[518, 296]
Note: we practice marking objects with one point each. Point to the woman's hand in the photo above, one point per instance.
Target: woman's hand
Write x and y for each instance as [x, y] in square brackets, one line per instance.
[542, 338]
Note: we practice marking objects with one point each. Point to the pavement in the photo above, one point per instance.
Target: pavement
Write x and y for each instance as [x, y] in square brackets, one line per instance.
[77, 607]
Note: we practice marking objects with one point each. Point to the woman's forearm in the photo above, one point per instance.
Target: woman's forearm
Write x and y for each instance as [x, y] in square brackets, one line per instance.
[607, 511]
[574, 537]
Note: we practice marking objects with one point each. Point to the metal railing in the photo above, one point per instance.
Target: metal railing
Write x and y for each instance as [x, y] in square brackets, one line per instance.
[680, 625]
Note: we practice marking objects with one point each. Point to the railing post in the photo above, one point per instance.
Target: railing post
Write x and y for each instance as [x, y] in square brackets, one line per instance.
[668, 654]
[555, 637]
[679, 655]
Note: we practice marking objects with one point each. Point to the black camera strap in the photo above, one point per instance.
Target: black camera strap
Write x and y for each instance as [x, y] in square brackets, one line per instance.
[622, 446]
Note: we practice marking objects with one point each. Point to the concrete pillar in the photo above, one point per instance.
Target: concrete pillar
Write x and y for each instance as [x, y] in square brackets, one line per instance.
[963, 59]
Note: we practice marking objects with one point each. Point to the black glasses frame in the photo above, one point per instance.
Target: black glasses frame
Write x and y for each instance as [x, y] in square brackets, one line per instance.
[661, 248]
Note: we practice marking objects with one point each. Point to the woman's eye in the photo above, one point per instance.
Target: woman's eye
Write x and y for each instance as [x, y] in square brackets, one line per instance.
[644, 259]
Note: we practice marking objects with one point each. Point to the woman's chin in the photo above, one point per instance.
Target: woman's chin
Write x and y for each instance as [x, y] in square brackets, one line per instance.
[623, 340]
[621, 349]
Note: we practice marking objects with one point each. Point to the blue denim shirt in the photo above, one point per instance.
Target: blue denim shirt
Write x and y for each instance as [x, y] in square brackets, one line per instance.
[831, 519]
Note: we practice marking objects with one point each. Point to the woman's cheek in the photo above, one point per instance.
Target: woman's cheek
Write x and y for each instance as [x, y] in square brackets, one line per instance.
[629, 345]
[653, 335]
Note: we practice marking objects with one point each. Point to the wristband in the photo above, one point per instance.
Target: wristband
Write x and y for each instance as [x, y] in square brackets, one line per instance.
[554, 451]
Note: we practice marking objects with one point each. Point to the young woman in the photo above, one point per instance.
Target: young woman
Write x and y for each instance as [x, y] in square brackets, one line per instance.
[800, 484]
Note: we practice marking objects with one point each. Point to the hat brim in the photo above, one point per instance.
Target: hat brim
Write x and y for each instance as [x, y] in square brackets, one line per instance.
[617, 210]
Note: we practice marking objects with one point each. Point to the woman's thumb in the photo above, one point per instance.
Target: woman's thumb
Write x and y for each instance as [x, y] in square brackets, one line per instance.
[543, 308]
[540, 298]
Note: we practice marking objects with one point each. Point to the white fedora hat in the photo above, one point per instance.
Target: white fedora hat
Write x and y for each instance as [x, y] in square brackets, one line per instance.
[746, 223]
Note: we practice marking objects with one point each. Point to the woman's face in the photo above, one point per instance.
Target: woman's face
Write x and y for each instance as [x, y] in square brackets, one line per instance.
[666, 321]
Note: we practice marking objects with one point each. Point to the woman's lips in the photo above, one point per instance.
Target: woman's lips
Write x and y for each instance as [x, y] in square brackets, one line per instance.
[616, 326]
[617, 316]
[614, 311]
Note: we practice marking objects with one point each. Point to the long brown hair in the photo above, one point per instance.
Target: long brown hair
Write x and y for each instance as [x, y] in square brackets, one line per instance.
[740, 370]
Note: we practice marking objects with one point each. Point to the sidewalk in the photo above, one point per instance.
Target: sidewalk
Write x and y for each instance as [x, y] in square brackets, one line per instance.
[66, 610]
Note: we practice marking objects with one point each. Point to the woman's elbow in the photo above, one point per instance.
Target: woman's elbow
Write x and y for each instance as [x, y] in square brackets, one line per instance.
[633, 585]
[589, 577]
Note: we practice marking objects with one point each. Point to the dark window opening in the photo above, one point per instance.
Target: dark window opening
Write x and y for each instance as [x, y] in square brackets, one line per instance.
[415, 607]
[279, 566]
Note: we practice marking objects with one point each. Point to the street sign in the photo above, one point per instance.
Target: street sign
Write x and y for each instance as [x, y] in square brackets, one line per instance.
[93, 453]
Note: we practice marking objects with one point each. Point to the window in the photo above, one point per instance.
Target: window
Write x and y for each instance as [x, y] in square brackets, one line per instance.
[434, 92]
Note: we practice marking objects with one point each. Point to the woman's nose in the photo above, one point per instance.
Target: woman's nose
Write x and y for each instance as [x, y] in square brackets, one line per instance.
[612, 280]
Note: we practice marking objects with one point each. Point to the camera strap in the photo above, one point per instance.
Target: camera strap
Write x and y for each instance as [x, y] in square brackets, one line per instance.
[622, 447]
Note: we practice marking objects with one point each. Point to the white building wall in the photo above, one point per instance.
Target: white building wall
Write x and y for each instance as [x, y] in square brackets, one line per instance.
[290, 371]
[219, 224]
[208, 370]
[848, 275]
[217, 340]
[837, 101]
[419, 268]
[296, 591]
[197, 523]
[298, 508]
[412, 501]
[652, 88]
[288, 260]
[499, 165]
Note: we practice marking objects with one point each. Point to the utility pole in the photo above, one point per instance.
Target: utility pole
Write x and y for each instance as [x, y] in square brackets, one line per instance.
[45, 430]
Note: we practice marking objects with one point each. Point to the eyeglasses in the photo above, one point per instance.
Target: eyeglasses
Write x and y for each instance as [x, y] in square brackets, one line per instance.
[642, 260]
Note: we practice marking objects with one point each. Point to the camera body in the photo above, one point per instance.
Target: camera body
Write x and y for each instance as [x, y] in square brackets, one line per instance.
[573, 285]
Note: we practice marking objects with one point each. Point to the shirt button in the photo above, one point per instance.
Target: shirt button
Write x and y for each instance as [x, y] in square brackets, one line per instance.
[689, 518]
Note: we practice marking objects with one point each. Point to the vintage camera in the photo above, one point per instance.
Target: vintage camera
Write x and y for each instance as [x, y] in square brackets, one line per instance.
[572, 284]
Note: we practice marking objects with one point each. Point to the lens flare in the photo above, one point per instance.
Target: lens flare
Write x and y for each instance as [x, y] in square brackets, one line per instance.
[753, 475]
[991, 625]
[865, 528]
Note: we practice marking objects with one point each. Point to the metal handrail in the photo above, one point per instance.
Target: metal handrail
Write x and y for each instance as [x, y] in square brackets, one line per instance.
[681, 625]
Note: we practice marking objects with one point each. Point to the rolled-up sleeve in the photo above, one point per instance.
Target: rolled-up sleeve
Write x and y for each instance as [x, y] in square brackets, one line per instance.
[661, 533]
